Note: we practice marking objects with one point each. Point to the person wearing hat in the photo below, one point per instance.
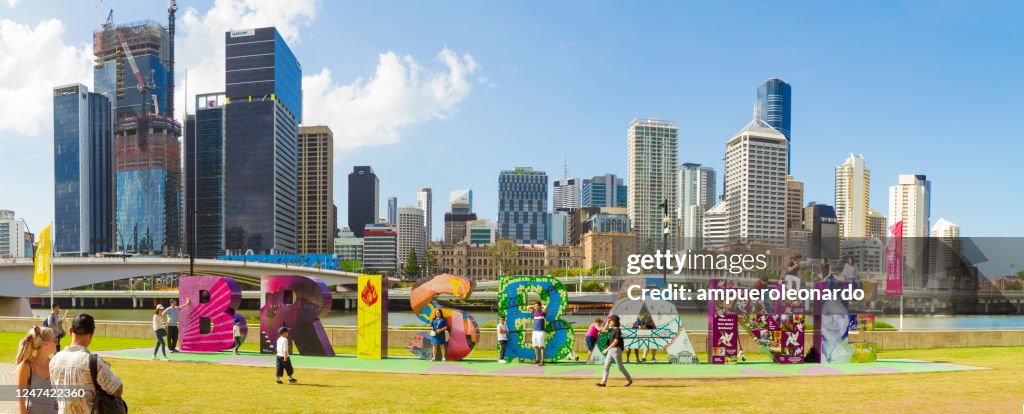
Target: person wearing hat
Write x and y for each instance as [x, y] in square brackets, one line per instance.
[284, 360]
[160, 331]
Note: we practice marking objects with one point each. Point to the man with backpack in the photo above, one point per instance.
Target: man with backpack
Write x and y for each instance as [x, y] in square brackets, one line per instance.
[76, 368]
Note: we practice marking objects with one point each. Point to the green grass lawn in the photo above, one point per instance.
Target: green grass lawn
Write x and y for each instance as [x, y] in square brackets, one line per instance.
[179, 387]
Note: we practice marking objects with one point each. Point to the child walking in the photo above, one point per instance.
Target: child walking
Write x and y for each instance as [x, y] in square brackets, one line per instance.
[284, 360]
[237, 332]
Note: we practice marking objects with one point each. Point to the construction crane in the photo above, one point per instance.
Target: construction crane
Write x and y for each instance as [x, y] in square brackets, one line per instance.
[172, 7]
[141, 85]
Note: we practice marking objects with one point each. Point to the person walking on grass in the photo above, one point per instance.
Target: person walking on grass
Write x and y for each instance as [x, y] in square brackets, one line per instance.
[33, 371]
[593, 333]
[69, 369]
[171, 313]
[56, 322]
[614, 352]
[539, 336]
[284, 356]
[502, 339]
[648, 324]
[439, 335]
[236, 331]
[160, 331]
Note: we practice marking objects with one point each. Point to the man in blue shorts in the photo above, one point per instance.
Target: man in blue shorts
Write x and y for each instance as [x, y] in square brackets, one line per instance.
[539, 336]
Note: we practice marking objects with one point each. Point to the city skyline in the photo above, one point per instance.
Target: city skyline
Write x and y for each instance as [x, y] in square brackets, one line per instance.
[900, 139]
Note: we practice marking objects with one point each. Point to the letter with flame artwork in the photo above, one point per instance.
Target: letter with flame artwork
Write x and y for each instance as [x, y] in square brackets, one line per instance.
[777, 327]
[297, 302]
[464, 329]
[206, 324]
[512, 303]
[372, 319]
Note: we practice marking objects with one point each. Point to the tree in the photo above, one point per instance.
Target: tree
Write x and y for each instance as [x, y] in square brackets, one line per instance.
[1020, 274]
[412, 265]
[592, 286]
[648, 247]
[503, 254]
[430, 263]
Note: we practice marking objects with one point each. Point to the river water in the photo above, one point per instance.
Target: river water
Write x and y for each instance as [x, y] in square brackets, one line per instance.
[692, 321]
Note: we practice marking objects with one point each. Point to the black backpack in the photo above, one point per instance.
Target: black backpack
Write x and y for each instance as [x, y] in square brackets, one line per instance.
[104, 403]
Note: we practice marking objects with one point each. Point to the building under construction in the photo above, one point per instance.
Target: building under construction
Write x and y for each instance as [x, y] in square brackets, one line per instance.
[147, 155]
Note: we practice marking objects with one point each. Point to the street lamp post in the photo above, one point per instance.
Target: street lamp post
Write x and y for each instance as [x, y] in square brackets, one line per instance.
[665, 221]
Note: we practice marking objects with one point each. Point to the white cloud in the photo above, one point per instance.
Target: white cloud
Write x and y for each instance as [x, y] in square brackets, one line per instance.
[401, 92]
[32, 61]
[12, 3]
[200, 47]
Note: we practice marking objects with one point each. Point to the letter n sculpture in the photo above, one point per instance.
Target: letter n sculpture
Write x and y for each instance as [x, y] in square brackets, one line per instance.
[297, 302]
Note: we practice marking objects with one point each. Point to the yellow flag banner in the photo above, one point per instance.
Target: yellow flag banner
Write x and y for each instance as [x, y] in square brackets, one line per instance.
[41, 274]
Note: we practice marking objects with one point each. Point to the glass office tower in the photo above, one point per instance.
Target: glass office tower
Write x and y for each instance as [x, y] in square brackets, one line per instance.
[83, 171]
[523, 205]
[204, 171]
[775, 107]
[263, 110]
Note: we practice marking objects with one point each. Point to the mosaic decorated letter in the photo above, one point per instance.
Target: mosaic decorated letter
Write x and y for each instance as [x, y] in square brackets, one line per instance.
[668, 332]
[372, 332]
[464, 330]
[206, 325]
[512, 302]
[297, 302]
[776, 326]
[832, 328]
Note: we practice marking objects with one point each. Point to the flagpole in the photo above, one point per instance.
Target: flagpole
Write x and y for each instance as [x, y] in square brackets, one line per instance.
[52, 233]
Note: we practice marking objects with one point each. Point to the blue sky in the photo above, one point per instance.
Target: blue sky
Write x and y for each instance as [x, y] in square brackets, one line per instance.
[916, 87]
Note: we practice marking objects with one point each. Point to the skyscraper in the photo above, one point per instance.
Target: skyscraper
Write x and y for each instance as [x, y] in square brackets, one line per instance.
[380, 243]
[853, 192]
[716, 226]
[944, 254]
[774, 106]
[112, 73]
[264, 110]
[204, 177]
[696, 192]
[755, 185]
[603, 191]
[651, 162]
[523, 205]
[316, 190]
[83, 171]
[823, 240]
[412, 235]
[425, 202]
[794, 203]
[566, 194]
[12, 235]
[461, 206]
[910, 201]
[393, 210]
[363, 190]
[877, 226]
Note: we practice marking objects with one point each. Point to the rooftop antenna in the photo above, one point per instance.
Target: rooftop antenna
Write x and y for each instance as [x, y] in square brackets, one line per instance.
[565, 163]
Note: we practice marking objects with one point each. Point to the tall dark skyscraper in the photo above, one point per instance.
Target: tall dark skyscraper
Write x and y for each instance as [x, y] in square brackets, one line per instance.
[775, 107]
[82, 171]
[262, 113]
[204, 177]
[363, 190]
[523, 205]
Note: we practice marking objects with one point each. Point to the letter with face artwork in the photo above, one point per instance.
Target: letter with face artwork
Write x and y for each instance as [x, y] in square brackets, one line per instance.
[831, 327]
[299, 303]
[512, 302]
[206, 325]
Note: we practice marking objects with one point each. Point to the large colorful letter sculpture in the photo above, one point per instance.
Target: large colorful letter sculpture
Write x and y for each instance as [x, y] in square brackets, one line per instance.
[668, 334]
[297, 302]
[512, 302]
[372, 331]
[206, 325]
[464, 331]
[832, 327]
[777, 327]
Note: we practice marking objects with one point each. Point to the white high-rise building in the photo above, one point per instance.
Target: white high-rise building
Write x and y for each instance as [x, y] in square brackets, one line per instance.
[853, 189]
[755, 185]
[716, 226]
[12, 235]
[558, 228]
[696, 194]
[412, 235]
[910, 201]
[425, 202]
[652, 154]
[944, 254]
[566, 194]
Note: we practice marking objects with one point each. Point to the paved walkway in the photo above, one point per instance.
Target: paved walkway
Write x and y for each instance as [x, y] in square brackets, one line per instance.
[564, 369]
[7, 378]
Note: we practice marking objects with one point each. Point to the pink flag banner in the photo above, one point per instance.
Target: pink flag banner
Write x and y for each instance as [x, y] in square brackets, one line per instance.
[894, 260]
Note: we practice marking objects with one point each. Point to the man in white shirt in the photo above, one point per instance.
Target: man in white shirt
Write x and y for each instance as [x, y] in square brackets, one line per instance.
[284, 360]
[502, 339]
[69, 368]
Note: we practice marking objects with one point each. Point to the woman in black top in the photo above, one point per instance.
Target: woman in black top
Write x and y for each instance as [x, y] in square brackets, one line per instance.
[614, 352]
